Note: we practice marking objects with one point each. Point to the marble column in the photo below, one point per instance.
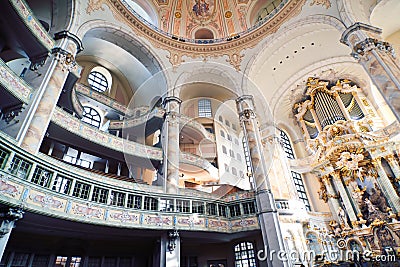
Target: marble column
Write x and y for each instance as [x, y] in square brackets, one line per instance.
[8, 219]
[386, 186]
[171, 144]
[333, 200]
[378, 59]
[347, 202]
[63, 62]
[266, 208]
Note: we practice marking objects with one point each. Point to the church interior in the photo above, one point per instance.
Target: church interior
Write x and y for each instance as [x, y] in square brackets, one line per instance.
[199, 133]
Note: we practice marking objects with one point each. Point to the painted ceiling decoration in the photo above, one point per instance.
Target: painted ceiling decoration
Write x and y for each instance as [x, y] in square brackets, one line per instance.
[178, 21]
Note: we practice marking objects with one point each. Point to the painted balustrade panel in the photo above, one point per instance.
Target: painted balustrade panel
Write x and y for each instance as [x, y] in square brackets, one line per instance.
[14, 84]
[33, 24]
[17, 192]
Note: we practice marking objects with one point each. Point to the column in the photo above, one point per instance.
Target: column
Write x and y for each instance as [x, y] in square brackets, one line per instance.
[63, 62]
[170, 253]
[266, 208]
[377, 58]
[342, 107]
[332, 198]
[316, 121]
[8, 219]
[170, 144]
[305, 131]
[394, 166]
[345, 197]
[386, 186]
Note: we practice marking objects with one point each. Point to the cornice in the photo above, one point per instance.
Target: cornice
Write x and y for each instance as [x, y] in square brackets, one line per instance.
[177, 49]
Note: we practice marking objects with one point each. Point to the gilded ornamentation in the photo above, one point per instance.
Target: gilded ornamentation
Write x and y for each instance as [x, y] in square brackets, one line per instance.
[179, 49]
[228, 14]
[235, 60]
[326, 3]
[94, 5]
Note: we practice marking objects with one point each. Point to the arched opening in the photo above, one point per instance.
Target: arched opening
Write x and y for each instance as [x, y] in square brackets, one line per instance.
[204, 34]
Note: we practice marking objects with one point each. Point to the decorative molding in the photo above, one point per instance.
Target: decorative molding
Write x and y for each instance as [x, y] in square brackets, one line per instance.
[326, 3]
[178, 49]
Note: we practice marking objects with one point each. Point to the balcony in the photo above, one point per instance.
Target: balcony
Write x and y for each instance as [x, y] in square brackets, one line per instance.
[47, 186]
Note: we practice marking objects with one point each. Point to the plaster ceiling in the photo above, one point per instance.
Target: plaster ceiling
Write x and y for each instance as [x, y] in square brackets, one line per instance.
[112, 57]
[386, 16]
[185, 17]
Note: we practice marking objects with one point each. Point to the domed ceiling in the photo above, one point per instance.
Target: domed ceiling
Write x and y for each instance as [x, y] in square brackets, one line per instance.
[205, 19]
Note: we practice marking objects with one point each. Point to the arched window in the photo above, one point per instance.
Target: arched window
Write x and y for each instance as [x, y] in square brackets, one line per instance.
[222, 133]
[226, 167]
[244, 255]
[227, 123]
[100, 79]
[297, 179]
[224, 149]
[205, 108]
[229, 137]
[220, 119]
[238, 157]
[91, 116]
[231, 153]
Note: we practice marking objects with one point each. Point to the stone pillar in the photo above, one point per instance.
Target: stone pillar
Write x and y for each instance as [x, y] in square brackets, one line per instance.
[63, 62]
[378, 59]
[171, 144]
[170, 249]
[345, 197]
[8, 219]
[386, 186]
[266, 209]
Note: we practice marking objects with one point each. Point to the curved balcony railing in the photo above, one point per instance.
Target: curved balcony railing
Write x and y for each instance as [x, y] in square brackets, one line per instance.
[200, 162]
[14, 84]
[137, 120]
[187, 121]
[74, 125]
[46, 186]
[102, 98]
[34, 26]
[76, 104]
[275, 10]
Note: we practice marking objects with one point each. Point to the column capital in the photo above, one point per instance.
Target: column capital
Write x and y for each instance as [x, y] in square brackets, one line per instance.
[171, 99]
[8, 218]
[68, 35]
[357, 28]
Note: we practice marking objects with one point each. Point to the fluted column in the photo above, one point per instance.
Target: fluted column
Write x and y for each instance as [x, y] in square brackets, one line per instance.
[378, 59]
[171, 144]
[345, 197]
[8, 219]
[316, 121]
[394, 165]
[386, 186]
[342, 107]
[266, 209]
[63, 62]
[332, 197]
